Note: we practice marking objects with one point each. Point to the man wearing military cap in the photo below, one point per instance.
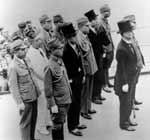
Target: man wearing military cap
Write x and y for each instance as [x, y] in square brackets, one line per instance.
[16, 35]
[132, 19]
[47, 33]
[126, 72]
[22, 26]
[24, 89]
[89, 66]
[105, 12]
[58, 19]
[57, 89]
[58, 23]
[1, 29]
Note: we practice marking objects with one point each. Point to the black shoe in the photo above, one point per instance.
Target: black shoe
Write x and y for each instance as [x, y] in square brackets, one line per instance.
[137, 102]
[92, 111]
[97, 101]
[102, 98]
[86, 116]
[48, 126]
[106, 89]
[128, 128]
[76, 132]
[81, 127]
[133, 123]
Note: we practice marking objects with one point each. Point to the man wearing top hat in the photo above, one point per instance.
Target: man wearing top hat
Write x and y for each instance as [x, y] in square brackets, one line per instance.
[89, 65]
[139, 54]
[98, 52]
[126, 72]
[73, 61]
[23, 86]
[108, 49]
[57, 89]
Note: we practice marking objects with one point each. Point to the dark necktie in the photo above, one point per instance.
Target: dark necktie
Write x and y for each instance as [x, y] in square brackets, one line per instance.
[132, 48]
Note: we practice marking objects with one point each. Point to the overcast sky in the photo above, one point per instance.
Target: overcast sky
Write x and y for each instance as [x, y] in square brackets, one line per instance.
[14, 11]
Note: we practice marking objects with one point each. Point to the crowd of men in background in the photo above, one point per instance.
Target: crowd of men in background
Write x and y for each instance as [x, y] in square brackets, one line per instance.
[58, 71]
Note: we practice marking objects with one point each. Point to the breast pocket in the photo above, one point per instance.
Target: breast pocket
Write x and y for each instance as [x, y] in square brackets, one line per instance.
[23, 77]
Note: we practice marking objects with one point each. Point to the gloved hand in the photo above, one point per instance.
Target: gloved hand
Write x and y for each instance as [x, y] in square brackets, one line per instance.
[125, 88]
[54, 109]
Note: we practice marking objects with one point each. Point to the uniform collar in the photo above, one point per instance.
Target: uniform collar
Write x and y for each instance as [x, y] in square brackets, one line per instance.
[18, 60]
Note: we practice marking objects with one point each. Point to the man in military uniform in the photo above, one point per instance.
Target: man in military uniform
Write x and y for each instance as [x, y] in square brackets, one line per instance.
[58, 19]
[24, 89]
[46, 34]
[22, 26]
[108, 49]
[57, 89]
[58, 23]
[125, 78]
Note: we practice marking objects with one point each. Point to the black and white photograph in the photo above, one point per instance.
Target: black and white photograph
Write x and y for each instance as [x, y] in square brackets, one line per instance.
[74, 70]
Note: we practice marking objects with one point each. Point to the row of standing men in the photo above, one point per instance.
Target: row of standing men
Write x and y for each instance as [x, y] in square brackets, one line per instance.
[75, 71]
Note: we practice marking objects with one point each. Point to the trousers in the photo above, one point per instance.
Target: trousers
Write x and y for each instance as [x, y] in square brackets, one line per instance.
[43, 118]
[28, 121]
[86, 96]
[58, 120]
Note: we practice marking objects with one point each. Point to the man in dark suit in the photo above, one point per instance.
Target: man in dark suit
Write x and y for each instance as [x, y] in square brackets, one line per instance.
[98, 52]
[57, 89]
[138, 52]
[98, 39]
[125, 78]
[73, 63]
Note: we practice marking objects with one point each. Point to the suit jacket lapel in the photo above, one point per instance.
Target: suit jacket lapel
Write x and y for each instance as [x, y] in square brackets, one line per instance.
[129, 50]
